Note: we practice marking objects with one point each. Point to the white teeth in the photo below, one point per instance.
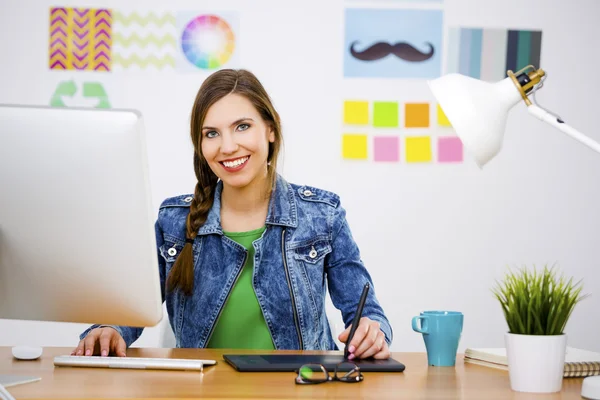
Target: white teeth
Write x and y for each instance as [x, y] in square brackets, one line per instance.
[236, 163]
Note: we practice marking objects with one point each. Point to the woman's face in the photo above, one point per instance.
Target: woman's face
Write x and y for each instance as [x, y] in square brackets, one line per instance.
[235, 141]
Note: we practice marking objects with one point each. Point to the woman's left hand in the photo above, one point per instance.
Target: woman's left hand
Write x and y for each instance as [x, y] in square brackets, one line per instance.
[368, 340]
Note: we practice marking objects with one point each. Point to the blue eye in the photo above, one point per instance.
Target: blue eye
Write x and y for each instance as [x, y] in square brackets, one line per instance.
[243, 127]
[211, 134]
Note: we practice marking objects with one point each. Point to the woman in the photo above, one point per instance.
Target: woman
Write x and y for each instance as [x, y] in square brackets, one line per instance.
[245, 259]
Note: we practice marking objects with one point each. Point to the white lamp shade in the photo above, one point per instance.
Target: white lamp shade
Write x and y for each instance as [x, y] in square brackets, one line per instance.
[477, 111]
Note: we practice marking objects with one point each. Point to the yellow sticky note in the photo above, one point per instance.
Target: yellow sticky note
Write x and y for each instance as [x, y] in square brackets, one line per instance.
[354, 146]
[418, 149]
[356, 112]
[442, 120]
[417, 115]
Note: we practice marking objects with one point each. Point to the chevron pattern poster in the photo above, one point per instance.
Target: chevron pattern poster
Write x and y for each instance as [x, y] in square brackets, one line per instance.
[80, 39]
[487, 54]
[144, 41]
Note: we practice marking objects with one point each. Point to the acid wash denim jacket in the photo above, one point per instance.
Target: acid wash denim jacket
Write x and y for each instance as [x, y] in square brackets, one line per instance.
[307, 244]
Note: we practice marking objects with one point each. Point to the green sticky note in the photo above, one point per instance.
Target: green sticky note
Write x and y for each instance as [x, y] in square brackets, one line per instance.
[385, 114]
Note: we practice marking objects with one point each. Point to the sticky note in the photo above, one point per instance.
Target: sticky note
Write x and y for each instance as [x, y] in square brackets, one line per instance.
[418, 149]
[386, 148]
[442, 120]
[416, 115]
[356, 112]
[354, 146]
[450, 149]
[385, 114]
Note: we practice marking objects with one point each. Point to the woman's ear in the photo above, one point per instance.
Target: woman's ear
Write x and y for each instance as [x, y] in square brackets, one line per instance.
[271, 135]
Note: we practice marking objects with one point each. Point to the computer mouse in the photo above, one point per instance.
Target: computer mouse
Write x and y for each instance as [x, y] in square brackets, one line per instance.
[590, 389]
[27, 352]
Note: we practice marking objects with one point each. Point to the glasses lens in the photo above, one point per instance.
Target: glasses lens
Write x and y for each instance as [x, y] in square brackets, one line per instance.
[312, 373]
[348, 372]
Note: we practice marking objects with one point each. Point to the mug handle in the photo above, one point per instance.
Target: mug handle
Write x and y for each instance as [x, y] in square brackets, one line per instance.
[423, 328]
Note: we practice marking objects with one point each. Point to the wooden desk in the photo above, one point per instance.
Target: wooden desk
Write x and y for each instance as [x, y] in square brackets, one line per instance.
[418, 381]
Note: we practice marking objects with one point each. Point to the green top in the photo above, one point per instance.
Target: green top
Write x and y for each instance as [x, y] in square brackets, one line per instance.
[242, 324]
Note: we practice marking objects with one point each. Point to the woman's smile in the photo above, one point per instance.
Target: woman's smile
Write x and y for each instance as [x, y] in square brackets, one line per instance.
[235, 164]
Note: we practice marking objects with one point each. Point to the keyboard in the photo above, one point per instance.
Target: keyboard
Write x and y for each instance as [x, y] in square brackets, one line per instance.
[132, 362]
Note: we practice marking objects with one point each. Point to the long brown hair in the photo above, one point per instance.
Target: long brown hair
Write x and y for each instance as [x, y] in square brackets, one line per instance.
[214, 88]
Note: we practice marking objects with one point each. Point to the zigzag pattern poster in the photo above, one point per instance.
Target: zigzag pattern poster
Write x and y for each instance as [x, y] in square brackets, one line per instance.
[80, 39]
[144, 40]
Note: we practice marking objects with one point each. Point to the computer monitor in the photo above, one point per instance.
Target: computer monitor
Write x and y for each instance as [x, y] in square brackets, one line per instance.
[77, 241]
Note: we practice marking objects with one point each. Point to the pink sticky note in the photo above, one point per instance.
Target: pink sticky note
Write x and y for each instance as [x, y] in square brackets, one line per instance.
[386, 148]
[450, 149]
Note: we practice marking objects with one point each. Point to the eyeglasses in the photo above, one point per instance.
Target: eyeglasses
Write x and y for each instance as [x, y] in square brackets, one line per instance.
[348, 372]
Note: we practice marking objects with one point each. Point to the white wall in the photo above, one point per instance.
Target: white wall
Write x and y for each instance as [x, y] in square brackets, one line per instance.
[433, 236]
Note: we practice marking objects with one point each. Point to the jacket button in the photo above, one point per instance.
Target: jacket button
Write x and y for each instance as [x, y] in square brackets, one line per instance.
[172, 251]
[188, 199]
[308, 193]
[313, 252]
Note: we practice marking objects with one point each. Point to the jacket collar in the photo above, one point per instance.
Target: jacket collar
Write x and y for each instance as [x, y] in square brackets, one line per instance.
[282, 208]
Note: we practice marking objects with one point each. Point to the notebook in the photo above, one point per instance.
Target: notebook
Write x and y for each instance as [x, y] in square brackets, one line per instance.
[578, 362]
[14, 380]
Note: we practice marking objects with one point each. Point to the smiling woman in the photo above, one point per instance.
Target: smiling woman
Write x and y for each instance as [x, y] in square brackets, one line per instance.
[245, 259]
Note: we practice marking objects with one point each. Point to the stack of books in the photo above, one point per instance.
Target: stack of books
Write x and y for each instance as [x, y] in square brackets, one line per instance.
[578, 363]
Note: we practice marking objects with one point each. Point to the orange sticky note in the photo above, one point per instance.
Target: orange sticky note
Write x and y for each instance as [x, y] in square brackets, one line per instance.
[442, 120]
[418, 149]
[416, 115]
[356, 112]
[354, 146]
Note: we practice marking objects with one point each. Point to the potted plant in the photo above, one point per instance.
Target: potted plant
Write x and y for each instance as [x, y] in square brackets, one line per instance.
[537, 306]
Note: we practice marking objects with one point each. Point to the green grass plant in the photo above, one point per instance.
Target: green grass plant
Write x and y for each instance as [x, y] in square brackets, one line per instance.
[537, 302]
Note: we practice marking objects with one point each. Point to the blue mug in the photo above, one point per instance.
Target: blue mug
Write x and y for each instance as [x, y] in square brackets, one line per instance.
[441, 332]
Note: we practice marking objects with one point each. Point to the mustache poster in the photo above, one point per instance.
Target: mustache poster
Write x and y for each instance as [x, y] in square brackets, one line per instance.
[402, 50]
[393, 43]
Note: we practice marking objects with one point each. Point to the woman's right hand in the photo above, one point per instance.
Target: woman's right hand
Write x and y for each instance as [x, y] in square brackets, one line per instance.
[101, 341]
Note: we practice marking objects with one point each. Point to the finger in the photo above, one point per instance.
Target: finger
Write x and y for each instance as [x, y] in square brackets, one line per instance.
[384, 354]
[374, 349]
[89, 343]
[367, 343]
[79, 348]
[120, 347]
[361, 332]
[344, 335]
[105, 340]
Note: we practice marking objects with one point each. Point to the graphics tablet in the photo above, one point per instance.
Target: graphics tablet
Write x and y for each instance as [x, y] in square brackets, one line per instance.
[292, 362]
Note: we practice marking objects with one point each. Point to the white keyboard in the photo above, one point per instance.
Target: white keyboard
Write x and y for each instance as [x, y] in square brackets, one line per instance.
[132, 362]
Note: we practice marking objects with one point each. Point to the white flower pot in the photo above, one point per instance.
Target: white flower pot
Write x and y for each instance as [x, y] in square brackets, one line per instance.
[535, 362]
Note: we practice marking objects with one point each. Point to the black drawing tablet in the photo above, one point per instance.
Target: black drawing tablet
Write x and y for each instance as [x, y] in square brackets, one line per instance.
[292, 362]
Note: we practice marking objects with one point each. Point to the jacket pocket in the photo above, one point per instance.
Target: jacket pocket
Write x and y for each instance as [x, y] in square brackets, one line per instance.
[310, 261]
[313, 253]
[170, 250]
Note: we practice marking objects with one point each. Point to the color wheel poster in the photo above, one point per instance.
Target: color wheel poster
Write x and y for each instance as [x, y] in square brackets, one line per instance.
[208, 41]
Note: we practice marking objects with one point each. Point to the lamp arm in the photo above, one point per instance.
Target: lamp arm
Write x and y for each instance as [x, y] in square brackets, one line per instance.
[559, 124]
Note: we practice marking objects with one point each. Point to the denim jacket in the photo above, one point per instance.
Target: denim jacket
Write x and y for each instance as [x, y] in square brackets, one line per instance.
[306, 248]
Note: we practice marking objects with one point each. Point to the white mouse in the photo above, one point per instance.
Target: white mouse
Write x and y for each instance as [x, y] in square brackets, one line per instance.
[590, 389]
[27, 352]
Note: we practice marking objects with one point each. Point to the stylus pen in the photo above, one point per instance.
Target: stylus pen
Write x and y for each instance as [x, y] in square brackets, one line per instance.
[357, 317]
[4, 395]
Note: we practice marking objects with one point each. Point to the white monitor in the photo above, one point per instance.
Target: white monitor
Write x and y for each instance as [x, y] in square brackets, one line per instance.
[77, 241]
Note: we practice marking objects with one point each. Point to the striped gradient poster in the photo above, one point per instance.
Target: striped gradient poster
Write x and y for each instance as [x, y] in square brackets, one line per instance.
[487, 54]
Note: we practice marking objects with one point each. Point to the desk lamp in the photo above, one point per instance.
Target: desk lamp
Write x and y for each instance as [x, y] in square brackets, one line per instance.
[478, 110]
